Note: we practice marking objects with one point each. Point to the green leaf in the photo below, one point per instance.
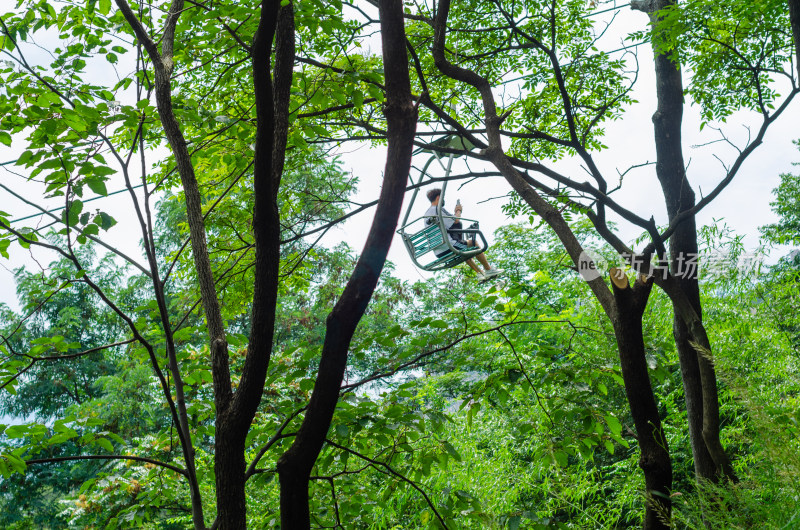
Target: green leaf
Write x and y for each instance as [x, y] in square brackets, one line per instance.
[97, 185]
[75, 209]
[24, 157]
[74, 120]
[489, 300]
[16, 462]
[358, 98]
[613, 424]
[320, 131]
[86, 485]
[105, 444]
[16, 431]
[101, 171]
[451, 450]
[5, 138]
[104, 220]
[47, 99]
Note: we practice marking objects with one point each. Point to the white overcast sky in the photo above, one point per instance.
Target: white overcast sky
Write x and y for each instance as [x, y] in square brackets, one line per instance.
[744, 205]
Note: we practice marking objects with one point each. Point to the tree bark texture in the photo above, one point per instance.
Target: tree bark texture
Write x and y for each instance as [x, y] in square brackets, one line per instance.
[794, 20]
[235, 411]
[654, 458]
[295, 466]
[163, 66]
[624, 307]
[697, 371]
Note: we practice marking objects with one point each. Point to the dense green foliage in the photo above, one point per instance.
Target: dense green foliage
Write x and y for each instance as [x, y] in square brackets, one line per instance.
[524, 426]
[464, 406]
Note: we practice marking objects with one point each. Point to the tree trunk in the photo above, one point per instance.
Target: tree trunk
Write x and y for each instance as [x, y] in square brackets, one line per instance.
[294, 466]
[654, 458]
[229, 467]
[679, 196]
[794, 21]
[697, 372]
[235, 411]
[163, 65]
[623, 308]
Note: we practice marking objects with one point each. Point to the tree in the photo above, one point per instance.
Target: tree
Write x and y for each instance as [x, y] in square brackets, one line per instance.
[716, 40]
[295, 465]
[519, 33]
[76, 122]
[781, 289]
[279, 84]
[47, 391]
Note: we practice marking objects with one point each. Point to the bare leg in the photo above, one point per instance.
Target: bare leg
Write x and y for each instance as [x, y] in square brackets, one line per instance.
[482, 258]
[472, 265]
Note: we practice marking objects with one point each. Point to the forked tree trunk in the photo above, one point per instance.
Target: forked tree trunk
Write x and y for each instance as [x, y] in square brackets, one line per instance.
[654, 453]
[624, 307]
[294, 466]
[679, 196]
[235, 411]
[697, 371]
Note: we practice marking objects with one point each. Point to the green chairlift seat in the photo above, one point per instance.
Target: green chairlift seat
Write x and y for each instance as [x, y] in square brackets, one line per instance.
[424, 235]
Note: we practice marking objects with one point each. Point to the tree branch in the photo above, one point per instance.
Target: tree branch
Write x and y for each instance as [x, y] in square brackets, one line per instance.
[144, 459]
[393, 472]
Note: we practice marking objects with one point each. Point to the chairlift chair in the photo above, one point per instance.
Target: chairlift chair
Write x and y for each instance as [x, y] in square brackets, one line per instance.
[423, 237]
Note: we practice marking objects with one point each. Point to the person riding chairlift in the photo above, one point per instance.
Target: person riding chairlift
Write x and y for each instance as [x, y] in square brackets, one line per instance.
[452, 222]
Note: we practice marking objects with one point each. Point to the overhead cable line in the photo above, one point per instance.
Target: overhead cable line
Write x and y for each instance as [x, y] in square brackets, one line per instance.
[10, 162]
[634, 45]
[605, 11]
[60, 208]
[64, 207]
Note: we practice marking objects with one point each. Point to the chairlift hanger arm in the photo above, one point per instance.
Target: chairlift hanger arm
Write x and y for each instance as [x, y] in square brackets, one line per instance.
[585, 187]
[422, 174]
[440, 202]
[598, 196]
[601, 197]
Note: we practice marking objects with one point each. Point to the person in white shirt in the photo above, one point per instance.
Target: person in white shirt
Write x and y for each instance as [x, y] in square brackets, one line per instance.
[453, 222]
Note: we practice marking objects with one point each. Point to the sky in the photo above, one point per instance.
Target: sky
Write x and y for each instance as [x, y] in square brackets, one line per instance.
[744, 205]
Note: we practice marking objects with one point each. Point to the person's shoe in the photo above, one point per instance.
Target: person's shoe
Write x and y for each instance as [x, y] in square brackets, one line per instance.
[491, 273]
[480, 276]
